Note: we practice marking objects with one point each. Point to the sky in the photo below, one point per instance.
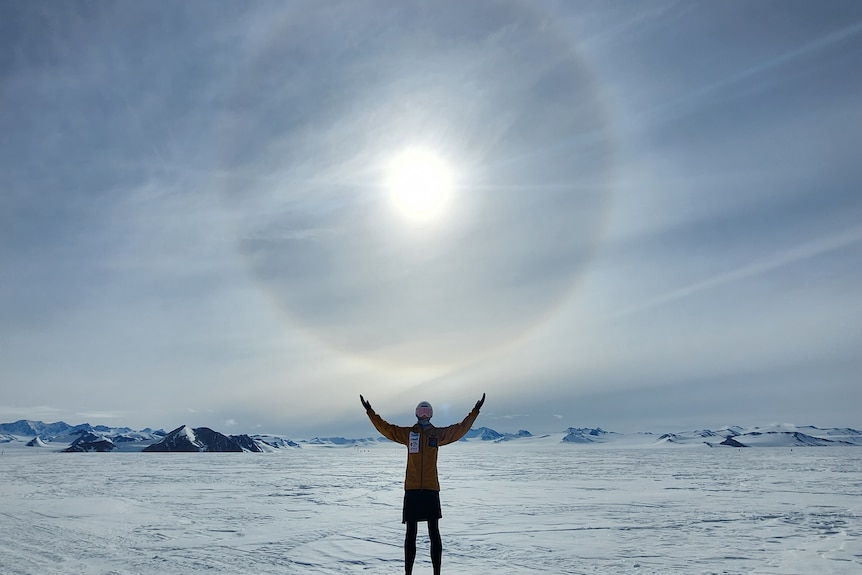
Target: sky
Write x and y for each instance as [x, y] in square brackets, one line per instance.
[639, 215]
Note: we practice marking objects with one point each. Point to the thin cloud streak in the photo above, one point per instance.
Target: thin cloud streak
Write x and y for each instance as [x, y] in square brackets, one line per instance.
[799, 254]
[829, 40]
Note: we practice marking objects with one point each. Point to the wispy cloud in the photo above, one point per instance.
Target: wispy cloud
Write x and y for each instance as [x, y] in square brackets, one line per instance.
[194, 206]
[99, 415]
[798, 254]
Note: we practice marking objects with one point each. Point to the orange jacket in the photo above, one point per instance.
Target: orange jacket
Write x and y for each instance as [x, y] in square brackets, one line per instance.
[422, 454]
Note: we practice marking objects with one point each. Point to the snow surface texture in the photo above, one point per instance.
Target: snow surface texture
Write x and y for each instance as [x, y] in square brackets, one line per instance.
[508, 510]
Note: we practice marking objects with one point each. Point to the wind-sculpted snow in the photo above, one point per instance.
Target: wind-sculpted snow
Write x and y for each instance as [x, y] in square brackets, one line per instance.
[510, 509]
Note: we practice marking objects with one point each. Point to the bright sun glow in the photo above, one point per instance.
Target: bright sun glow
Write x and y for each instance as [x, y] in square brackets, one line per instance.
[420, 185]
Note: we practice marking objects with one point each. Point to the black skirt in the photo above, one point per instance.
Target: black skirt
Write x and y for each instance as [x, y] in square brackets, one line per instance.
[421, 505]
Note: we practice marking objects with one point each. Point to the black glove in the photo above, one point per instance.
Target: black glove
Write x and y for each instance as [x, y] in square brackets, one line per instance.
[480, 403]
[365, 404]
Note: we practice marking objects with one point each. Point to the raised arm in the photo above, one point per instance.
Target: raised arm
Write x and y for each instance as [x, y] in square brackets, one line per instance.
[455, 432]
[386, 429]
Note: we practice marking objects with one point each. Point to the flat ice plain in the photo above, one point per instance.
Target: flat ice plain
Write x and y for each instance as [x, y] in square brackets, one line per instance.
[507, 510]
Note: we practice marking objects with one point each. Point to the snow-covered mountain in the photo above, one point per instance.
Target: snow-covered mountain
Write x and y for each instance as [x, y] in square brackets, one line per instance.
[36, 442]
[587, 435]
[60, 433]
[60, 436]
[484, 434]
[779, 435]
[89, 441]
[272, 442]
[184, 438]
[27, 427]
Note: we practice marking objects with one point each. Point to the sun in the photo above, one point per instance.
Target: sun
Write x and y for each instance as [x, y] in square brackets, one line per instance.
[420, 185]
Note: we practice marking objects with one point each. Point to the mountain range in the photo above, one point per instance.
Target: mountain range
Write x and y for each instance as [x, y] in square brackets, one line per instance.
[60, 436]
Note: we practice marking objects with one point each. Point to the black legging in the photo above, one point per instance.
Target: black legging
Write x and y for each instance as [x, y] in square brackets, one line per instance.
[410, 546]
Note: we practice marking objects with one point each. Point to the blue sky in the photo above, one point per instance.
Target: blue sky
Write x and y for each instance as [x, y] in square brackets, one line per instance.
[655, 220]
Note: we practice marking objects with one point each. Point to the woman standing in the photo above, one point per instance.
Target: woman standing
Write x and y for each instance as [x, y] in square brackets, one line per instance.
[421, 486]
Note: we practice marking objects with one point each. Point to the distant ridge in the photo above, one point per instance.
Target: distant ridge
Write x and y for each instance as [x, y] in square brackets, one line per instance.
[783, 435]
[586, 435]
[483, 433]
[40, 429]
[61, 431]
[61, 436]
[488, 434]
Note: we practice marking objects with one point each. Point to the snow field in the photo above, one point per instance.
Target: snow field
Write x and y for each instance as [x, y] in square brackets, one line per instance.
[507, 509]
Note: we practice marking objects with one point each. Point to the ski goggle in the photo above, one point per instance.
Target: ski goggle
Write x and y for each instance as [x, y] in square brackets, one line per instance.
[423, 412]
